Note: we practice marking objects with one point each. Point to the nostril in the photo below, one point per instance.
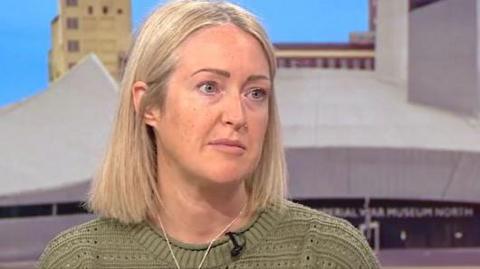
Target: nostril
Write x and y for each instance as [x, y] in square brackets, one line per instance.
[237, 126]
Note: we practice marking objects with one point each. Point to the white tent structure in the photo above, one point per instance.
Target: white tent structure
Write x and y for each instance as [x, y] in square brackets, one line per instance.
[50, 147]
[56, 139]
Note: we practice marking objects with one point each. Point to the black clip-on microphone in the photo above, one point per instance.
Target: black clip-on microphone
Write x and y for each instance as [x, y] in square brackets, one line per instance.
[237, 247]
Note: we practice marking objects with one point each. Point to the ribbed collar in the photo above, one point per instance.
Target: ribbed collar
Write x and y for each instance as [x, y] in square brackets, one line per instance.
[190, 255]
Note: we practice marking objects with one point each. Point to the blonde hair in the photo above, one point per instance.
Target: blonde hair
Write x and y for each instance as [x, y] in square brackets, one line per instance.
[126, 185]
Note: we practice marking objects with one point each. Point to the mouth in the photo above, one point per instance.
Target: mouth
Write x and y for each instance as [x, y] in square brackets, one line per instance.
[228, 145]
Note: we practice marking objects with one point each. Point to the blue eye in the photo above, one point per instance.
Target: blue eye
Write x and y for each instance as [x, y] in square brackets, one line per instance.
[257, 94]
[208, 88]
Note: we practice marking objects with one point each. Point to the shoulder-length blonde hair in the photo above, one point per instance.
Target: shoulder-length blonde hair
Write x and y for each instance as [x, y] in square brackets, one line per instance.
[126, 185]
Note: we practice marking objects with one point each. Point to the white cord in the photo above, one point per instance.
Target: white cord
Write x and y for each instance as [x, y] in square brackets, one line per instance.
[209, 245]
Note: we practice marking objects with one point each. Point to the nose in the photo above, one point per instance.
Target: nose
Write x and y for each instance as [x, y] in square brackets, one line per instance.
[234, 112]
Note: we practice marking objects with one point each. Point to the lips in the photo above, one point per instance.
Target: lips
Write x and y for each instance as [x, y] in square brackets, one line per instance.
[228, 143]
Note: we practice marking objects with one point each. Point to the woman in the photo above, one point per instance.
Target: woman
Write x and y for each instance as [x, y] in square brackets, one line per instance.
[195, 173]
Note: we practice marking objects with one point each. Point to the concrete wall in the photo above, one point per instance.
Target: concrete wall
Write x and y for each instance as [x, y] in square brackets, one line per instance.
[443, 51]
[391, 41]
[383, 173]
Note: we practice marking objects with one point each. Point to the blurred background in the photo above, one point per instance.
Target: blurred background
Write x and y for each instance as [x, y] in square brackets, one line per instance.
[379, 102]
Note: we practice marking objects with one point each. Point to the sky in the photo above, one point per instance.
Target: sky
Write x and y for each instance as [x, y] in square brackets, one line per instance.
[25, 33]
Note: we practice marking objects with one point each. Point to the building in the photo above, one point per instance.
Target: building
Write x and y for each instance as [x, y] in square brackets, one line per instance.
[372, 15]
[449, 67]
[326, 56]
[369, 36]
[102, 27]
[357, 54]
[397, 150]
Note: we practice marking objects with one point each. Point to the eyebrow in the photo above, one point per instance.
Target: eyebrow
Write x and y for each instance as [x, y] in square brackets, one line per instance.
[227, 74]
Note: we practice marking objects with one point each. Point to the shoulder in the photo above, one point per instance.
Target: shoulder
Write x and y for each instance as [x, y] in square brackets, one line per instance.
[324, 234]
[81, 242]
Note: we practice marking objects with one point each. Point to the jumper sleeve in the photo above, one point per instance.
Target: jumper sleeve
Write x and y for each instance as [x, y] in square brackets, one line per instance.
[346, 244]
[70, 249]
[53, 256]
[59, 254]
[362, 251]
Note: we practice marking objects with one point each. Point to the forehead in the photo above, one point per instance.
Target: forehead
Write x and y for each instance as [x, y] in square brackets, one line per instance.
[223, 46]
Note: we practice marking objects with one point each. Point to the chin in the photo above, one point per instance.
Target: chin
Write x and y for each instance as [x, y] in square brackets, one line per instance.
[227, 176]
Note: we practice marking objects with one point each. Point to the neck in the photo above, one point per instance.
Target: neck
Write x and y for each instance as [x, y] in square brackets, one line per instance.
[196, 214]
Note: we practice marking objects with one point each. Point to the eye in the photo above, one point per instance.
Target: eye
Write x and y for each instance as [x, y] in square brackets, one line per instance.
[257, 94]
[208, 88]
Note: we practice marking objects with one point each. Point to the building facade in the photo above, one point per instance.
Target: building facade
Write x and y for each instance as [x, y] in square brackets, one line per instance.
[326, 56]
[450, 31]
[102, 27]
[357, 54]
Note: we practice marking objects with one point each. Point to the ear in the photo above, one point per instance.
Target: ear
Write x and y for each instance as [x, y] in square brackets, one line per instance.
[139, 88]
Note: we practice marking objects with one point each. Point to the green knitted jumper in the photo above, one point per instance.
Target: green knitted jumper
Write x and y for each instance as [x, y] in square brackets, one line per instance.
[286, 235]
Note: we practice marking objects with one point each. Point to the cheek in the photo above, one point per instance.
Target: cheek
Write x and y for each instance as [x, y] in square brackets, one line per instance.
[192, 124]
[175, 124]
[257, 136]
[264, 125]
[258, 128]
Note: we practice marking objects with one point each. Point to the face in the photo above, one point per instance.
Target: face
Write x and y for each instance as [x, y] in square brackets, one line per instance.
[215, 117]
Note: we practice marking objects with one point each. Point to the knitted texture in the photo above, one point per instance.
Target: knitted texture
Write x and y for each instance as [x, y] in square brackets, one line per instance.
[286, 235]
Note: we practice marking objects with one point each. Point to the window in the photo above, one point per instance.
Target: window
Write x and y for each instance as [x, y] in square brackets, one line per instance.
[356, 63]
[368, 64]
[90, 10]
[120, 11]
[362, 64]
[72, 3]
[331, 62]
[25, 211]
[72, 23]
[325, 63]
[305, 63]
[105, 10]
[71, 208]
[338, 63]
[73, 46]
[350, 63]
